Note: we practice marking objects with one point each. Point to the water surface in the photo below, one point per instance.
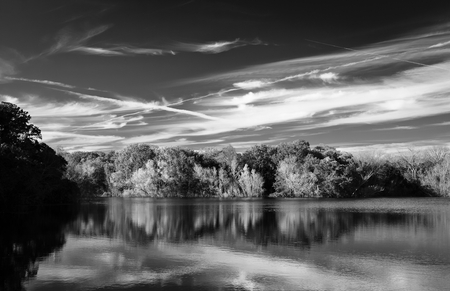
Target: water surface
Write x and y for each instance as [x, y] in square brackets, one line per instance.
[205, 244]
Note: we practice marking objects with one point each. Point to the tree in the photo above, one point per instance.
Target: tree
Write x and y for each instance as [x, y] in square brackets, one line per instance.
[261, 158]
[145, 181]
[24, 159]
[295, 180]
[437, 178]
[251, 182]
[15, 127]
[368, 165]
[411, 163]
[128, 161]
[298, 149]
[89, 171]
[207, 181]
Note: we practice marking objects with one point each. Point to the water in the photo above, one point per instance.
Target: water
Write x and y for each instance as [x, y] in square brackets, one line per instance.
[201, 244]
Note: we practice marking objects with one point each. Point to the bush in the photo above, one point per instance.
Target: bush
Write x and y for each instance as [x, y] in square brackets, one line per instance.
[437, 178]
[251, 183]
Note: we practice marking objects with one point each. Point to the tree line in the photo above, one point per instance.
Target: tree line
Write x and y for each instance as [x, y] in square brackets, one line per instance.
[294, 169]
[32, 172]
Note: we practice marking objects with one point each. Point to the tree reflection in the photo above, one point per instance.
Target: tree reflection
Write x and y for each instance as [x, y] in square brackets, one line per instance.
[144, 221]
[27, 238]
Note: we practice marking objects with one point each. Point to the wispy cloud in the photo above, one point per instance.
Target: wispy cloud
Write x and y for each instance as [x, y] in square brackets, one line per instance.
[75, 141]
[10, 99]
[116, 122]
[69, 40]
[123, 105]
[441, 44]
[382, 84]
[9, 60]
[44, 82]
[6, 68]
[328, 77]
[121, 51]
[356, 89]
[168, 49]
[397, 128]
[40, 107]
[252, 84]
[216, 47]
[392, 148]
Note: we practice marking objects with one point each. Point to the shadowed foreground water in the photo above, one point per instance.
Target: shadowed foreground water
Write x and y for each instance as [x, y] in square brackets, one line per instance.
[293, 244]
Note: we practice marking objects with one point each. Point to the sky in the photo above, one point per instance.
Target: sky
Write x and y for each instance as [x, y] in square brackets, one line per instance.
[104, 74]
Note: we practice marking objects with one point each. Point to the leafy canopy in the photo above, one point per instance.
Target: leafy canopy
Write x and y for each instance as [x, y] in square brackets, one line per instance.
[15, 127]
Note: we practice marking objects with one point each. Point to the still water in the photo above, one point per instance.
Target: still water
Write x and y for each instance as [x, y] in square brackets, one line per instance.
[201, 244]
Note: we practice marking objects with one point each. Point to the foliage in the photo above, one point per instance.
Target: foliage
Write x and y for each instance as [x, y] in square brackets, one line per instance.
[30, 172]
[146, 180]
[288, 170]
[323, 172]
[15, 128]
[298, 149]
[127, 161]
[263, 159]
[437, 178]
[294, 179]
[251, 182]
[88, 170]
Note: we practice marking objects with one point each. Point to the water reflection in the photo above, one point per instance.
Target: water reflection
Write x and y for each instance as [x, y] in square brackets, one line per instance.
[136, 244]
[26, 238]
[260, 222]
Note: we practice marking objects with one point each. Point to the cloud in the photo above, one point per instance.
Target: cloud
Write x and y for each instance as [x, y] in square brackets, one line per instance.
[215, 47]
[251, 84]
[9, 99]
[69, 40]
[9, 60]
[122, 105]
[76, 141]
[121, 51]
[96, 51]
[441, 44]
[115, 123]
[397, 128]
[66, 110]
[44, 82]
[392, 148]
[148, 138]
[6, 68]
[143, 51]
[51, 83]
[127, 50]
[441, 124]
[238, 100]
[80, 112]
[328, 77]
[383, 83]
[371, 59]
[415, 91]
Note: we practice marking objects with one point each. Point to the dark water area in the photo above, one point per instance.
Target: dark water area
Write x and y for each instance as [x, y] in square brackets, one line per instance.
[205, 244]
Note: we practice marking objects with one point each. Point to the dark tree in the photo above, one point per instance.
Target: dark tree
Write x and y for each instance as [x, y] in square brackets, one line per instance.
[15, 127]
[30, 172]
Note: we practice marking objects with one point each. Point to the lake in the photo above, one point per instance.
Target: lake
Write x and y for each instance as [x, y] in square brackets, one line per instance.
[206, 244]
